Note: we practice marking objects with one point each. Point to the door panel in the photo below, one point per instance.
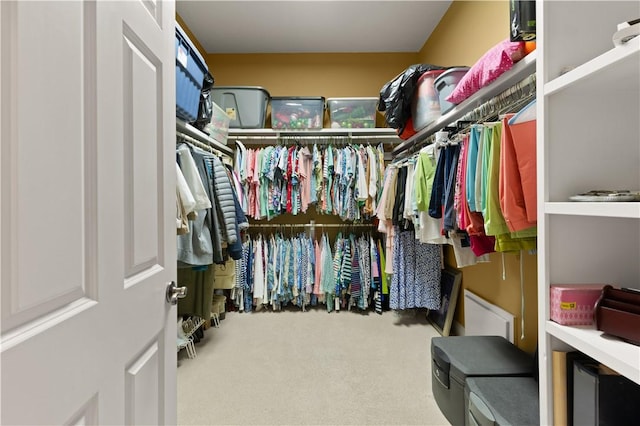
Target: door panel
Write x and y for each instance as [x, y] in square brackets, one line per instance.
[46, 236]
[87, 120]
[87, 415]
[141, 398]
[143, 172]
[154, 9]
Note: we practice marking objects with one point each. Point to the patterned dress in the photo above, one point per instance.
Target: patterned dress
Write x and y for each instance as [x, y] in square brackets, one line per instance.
[416, 279]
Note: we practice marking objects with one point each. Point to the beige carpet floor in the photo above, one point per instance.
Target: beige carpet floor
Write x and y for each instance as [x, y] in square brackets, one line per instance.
[310, 368]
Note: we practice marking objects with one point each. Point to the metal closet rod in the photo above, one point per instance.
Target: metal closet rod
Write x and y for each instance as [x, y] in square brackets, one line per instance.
[510, 100]
[318, 138]
[310, 225]
[199, 137]
[201, 145]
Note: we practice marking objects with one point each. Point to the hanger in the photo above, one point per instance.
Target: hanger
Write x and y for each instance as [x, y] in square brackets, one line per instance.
[528, 113]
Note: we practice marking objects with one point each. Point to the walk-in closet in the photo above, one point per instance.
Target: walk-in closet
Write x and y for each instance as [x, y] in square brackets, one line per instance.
[444, 181]
[320, 212]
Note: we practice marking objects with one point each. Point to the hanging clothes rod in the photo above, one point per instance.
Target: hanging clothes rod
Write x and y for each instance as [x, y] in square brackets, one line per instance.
[310, 225]
[510, 100]
[188, 139]
[200, 139]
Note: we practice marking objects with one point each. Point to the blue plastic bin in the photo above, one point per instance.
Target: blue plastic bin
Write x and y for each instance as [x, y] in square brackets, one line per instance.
[190, 71]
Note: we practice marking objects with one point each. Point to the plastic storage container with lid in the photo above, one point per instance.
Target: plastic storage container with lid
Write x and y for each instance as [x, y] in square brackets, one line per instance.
[445, 83]
[297, 112]
[352, 113]
[218, 127]
[456, 358]
[190, 71]
[502, 401]
[246, 106]
[425, 107]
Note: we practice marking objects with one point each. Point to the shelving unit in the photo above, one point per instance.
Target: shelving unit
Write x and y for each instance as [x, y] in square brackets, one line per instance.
[379, 132]
[520, 70]
[588, 138]
[616, 354]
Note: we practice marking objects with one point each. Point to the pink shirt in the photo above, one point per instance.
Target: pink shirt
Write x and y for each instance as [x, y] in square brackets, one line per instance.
[305, 163]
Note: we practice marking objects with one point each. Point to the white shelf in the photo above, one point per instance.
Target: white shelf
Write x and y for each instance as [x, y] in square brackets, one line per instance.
[616, 66]
[520, 70]
[621, 356]
[272, 133]
[588, 136]
[629, 210]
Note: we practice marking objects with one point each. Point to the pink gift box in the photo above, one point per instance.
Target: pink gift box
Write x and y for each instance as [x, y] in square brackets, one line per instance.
[574, 304]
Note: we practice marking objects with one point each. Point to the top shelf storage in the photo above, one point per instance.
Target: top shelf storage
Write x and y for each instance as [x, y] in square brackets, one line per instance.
[521, 70]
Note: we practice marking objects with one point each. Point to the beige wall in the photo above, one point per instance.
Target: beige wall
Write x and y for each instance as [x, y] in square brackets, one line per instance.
[466, 32]
[320, 74]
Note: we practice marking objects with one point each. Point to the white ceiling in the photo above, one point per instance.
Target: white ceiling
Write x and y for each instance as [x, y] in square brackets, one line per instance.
[242, 26]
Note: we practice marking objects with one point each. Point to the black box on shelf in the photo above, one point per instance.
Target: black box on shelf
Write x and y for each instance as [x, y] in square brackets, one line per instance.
[522, 20]
[603, 397]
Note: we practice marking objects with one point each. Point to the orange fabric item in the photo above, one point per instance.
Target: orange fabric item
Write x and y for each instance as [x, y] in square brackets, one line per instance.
[529, 46]
[517, 182]
[408, 130]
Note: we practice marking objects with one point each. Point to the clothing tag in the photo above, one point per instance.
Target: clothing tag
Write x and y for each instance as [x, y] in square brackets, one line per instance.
[231, 112]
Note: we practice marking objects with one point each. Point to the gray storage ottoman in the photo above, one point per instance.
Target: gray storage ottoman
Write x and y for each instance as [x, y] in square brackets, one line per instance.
[502, 401]
[455, 358]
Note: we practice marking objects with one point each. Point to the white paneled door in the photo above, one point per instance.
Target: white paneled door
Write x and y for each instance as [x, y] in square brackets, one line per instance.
[87, 215]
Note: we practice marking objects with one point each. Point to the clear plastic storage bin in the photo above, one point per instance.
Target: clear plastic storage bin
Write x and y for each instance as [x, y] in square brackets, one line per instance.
[246, 106]
[445, 83]
[218, 127]
[352, 113]
[425, 107]
[297, 112]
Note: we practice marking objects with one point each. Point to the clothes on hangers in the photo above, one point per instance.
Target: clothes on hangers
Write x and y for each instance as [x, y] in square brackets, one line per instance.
[518, 189]
[278, 271]
[185, 203]
[213, 214]
[465, 191]
[208, 222]
[474, 183]
[343, 181]
[417, 271]
[471, 222]
[427, 227]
